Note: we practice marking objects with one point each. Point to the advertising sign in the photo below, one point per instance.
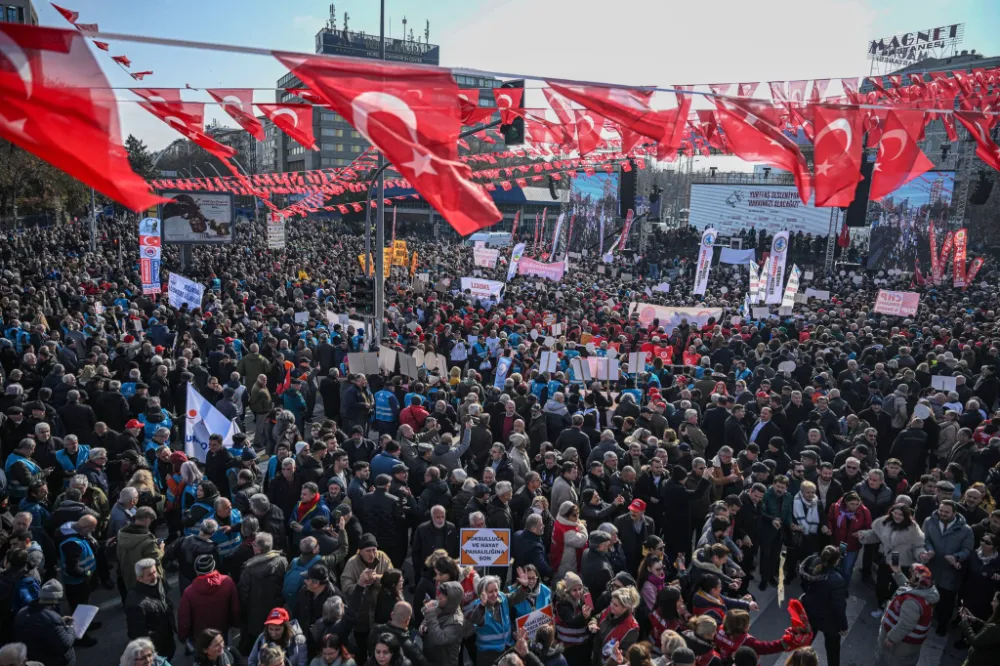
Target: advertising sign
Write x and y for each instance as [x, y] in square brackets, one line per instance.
[903, 303]
[910, 47]
[150, 255]
[731, 208]
[197, 217]
[485, 547]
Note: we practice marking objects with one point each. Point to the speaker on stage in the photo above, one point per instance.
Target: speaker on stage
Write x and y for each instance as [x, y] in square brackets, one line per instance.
[984, 187]
[628, 181]
[857, 212]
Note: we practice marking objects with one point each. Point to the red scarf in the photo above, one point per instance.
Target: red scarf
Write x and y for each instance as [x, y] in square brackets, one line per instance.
[303, 509]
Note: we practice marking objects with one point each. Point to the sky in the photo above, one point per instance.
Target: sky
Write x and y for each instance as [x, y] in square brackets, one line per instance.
[637, 42]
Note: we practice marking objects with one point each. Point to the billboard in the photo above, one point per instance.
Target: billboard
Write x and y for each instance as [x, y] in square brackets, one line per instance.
[197, 217]
[590, 198]
[732, 208]
[900, 222]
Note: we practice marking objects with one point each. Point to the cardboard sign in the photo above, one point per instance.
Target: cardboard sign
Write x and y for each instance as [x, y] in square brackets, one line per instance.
[534, 620]
[581, 369]
[407, 365]
[903, 303]
[387, 359]
[821, 294]
[366, 363]
[484, 547]
[549, 362]
[943, 383]
[301, 317]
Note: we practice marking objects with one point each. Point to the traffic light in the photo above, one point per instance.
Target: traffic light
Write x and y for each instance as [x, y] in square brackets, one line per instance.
[513, 134]
[363, 294]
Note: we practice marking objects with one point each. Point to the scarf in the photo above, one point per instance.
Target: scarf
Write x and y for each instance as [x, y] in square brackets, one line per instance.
[806, 514]
[304, 508]
[844, 515]
[986, 559]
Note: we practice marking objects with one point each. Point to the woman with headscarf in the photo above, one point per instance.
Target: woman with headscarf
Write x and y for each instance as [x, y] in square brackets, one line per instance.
[573, 608]
[569, 540]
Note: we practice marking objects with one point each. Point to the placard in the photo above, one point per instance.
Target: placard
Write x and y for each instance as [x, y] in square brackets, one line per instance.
[581, 369]
[808, 275]
[943, 383]
[482, 288]
[276, 231]
[387, 359]
[182, 291]
[549, 362]
[364, 363]
[301, 317]
[484, 547]
[535, 620]
[903, 303]
[407, 365]
[637, 362]
[761, 312]
[820, 294]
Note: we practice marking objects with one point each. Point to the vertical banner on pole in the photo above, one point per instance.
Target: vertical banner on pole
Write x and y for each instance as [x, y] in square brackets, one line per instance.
[776, 276]
[958, 265]
[762, 280]
[600, 236]
[393, 226]
[949, 238]
[754, 282]
[276, 231]
[515, 259]
[150, 249]
[627, 227]
[513, 227]
[555, 236]
[932, 238]
[704, 265]
[792, 288]
[569, 233]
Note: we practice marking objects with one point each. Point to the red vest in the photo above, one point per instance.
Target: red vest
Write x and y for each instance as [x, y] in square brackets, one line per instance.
[727, 645]
[469, 590]
[621, 629]
[559, 544]
[918, 634]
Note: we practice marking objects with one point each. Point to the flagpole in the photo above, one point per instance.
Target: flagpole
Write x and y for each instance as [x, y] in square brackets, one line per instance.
[380, 213]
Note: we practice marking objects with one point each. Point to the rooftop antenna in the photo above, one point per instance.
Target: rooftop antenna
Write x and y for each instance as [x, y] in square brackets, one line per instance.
[332, 23]
[404, 27]
[347, 17]
[427, 32]
[411, 34]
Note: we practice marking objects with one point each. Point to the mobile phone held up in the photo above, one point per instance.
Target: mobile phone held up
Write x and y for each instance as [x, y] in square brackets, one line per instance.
[894, 558]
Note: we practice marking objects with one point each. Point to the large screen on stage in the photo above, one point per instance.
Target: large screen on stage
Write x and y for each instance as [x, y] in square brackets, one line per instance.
[197, 217]
[590, 198]
[900, 222]
[731, 208]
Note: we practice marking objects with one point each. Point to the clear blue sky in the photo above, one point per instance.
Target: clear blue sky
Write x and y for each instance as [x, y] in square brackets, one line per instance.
[661, 42]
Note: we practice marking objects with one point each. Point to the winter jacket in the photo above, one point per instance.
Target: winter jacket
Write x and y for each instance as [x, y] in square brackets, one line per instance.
[48, 637]
[294, 577]
[877, 501]
[209, 602]
[383, 515]
[445, 627]
[527, 548]
[824, 597]
[296, 653]
[573, 538]
[135, 543]
[427, 539]
[957, 540]
[909, 611]
[260, 588]
[187, 549]
[843, 527]
[983, 642]
[148, 612]
[349, 581]
[596, 572]
[562, 491]
[909, 543]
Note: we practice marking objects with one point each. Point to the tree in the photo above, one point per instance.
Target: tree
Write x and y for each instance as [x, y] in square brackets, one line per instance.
[140, 158]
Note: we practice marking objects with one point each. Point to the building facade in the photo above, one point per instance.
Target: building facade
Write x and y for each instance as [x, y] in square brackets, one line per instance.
[18, 11]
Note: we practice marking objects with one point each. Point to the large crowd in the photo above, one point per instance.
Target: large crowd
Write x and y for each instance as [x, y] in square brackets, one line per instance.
[645, 514]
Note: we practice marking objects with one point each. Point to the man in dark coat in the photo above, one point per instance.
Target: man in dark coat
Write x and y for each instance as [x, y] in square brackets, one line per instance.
[148, 611]
[910, 447]
[42, 628]
[384, 516]
[595, 569]
[527, 548]
[435, 534]
[260, 585]
[218, 459]
[714, 425]
[734, 432]
[676, 499]
[633, 528]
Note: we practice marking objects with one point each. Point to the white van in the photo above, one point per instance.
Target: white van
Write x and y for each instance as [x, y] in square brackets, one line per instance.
[491, 238]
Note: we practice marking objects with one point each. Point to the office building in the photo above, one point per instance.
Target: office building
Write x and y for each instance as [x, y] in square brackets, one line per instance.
[18, 11]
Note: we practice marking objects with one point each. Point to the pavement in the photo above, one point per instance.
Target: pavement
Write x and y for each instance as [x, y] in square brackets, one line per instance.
[857, 648]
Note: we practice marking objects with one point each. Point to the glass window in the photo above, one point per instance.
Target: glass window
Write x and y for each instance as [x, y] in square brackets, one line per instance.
[355, 134]
[355, 149]
[12, 14]
[328, 116]
[20, 15]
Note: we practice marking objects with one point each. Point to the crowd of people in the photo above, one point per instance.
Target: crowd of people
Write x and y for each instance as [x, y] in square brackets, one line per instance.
[827, 450]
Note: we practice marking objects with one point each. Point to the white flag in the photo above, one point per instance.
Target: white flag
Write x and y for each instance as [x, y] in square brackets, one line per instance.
[762, 280]
[792, 288]
[555, 236]
[202, 420]
[776, 276]
[704, 265]
[515, 258]
[754, 282]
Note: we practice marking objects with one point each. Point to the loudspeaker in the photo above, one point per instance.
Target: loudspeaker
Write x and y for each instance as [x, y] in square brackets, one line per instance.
[552, 189]
[984, 187]
[628, 181]
[857, 212]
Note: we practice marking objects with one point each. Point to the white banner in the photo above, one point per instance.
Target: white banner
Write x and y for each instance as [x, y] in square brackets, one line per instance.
[704, 265]
[754, 282]
[792, 288]
[776, 274]
[762, 280]
[181, 290]
[203, 420]
[821, 294]
[482, 288]
[515, 259]
[555, 236]
[276, 231]
[485, 257]
[731, 255]
[771, 207]
[670, 317]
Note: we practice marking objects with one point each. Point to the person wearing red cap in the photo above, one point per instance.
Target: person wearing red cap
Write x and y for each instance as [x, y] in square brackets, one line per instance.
[633, 528]
[283, 632]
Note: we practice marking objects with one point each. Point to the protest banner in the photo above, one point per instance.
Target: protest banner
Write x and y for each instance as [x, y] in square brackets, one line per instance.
[202, 420]
[704, 265]
[901, 303]
[670, 317]
[554, 271]
[535, 620]
[276, 231]
[482, 288]
[484, 547]
[483, 257]
[182, 291]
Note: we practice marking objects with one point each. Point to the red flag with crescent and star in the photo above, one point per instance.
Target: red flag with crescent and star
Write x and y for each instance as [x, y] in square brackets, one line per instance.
[295, 120]
[239, 105]
[55, 103]
[979, 125]
[588, 133]
[412, 115]
[67, 14]
[508, 103]
[837, 158]
[899, 158]
[187, 118]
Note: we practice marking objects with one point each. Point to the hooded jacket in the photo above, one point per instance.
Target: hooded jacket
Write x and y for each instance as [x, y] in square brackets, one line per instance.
[136, 543]
[445, 627]
[909, 610]
[209, 602]
[825, 596]
[260, 585]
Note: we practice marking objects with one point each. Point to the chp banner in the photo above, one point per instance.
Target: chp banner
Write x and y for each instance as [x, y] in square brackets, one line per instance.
[482, 288]
[554, 271]
[792, 288]
[958, 263]
[704, 265]
[671, 317]
[903, 303]
[182, 291]
[515, 259]
[203, 420]
[555, 236]
[754, 282]
[150, 249]
[484, 547]
[625, 229]
[776, 274]
[977, 263]
[276, 231]
[485, 257]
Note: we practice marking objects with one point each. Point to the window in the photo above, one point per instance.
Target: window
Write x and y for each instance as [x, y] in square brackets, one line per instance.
[12, 14]
[329, 117]
[331, 131]
[355, 134]
[355, 149]
[328, 162]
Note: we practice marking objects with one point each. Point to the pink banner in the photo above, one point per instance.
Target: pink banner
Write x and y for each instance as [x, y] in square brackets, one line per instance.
[977, 263]
[958, 265]
[934, 255]
[949, 238]
[904, 303]
[553, 271]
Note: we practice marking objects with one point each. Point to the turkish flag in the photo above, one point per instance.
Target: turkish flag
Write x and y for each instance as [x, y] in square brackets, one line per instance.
[837, 156]
[139, 76]
[56, 103]
[471, 112]
[588, 135]
[979, 125]
[746, 89]
[104, 46]
[562, 109]
[844, 240]
[752, 137]
[67, 14]
[412, 115]
[188, 118]
[295, 120]
[239, 105]
[508, 102]
[899, 159]
[628, 107]
[122, 60]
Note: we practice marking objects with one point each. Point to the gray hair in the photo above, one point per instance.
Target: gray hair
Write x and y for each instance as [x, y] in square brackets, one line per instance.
[264, 542]
[259, 503]
[190, 473]
[160, 431]
[209, 527]
[249, 527]
[504, 487]
[288, 463]
[144, 565]
[136, 648]
[333, 609]
[459, 474]
[128, 494]
[14, 654]
[533, 521]
[309, 545]
[477, 517]
[79, 481]
[97, 453]
[71, 438]
[607, 527]
[485, 582]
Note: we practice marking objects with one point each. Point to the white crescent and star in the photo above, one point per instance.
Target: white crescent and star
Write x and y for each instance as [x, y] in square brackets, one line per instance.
[510, 102]
[587, 120]
[899, 135]
[838, 125]
[233, 100]
[176, 123]
[17, 57]
[370, 102]
[287, 112]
